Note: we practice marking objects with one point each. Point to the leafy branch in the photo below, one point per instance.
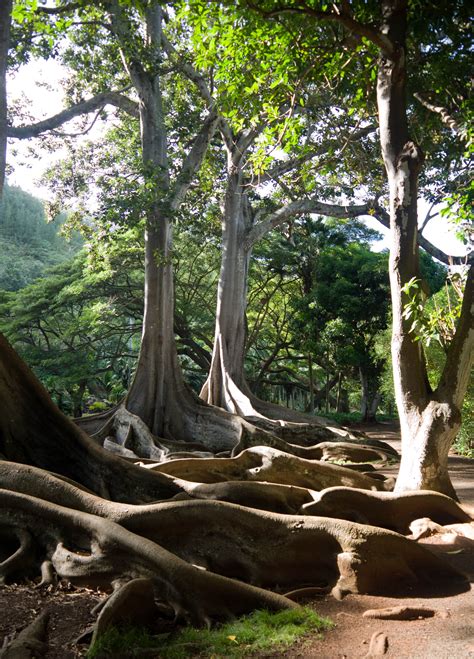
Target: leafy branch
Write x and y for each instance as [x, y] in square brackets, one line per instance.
[433, 322]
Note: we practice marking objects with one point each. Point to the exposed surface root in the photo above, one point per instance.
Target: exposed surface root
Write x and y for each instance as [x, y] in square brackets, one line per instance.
[234, 540]
[303, 433]
[86, 549]
[354, 450]
[263, 463]
[385, 509]
[220, 537]
[264, 496]
[132, 437]
[399, 613]
[30, 642]
[273, 497]
[133, 603]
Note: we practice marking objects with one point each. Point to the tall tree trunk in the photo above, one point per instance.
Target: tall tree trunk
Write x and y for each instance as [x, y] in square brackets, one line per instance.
[225, 385]
[311, 383]
[157, 378]
[5, 23]
[429, 420]
[158, 394]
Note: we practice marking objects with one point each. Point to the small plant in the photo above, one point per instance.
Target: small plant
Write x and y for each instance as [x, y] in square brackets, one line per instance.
[261, 630]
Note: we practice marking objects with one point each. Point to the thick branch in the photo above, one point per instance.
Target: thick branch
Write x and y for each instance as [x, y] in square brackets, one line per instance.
[194, 159]
[338, 15]
[85, 107]
[60, 10]
[384, 218]
[188, 70]
[300, 207]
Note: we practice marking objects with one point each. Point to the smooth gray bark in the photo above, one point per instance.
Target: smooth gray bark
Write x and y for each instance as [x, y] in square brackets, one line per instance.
[429, 419]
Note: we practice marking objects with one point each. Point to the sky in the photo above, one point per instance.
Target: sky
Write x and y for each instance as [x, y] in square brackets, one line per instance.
[39, 82]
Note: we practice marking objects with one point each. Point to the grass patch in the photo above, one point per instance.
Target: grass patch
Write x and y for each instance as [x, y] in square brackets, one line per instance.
[261, 630]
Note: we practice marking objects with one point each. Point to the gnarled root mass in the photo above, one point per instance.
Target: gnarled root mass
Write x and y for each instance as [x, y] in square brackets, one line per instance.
[219, 537]
[200, 557]
[92, 550]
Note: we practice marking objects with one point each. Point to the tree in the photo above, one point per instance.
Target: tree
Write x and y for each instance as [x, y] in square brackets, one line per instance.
[157, 394]
[5, 26]
[430, 418]
[347, 307]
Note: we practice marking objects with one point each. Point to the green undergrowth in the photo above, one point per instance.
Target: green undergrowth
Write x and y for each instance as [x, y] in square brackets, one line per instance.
[262, 630]
[349, 418]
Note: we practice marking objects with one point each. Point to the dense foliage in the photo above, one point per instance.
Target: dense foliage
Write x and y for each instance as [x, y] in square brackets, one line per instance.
[29, 244]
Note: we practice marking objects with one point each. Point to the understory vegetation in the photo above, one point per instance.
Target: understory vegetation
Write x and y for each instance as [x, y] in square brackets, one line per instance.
[312, 328]
[260, 631]
[78, 324]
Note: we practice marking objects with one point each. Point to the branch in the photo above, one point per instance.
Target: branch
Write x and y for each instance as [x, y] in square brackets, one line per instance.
[429, 215]
[288, 165]
[194, 159]
[446, 117]
[340, 16]
[301, 207]
[60, 10]
[84, 107]
[188, 70]
[384, 218]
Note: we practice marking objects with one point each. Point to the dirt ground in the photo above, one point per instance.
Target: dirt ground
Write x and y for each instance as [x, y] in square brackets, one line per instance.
[448, 634]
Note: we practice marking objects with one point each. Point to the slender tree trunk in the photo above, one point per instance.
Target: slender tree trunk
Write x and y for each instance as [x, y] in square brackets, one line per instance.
[429, 420]
[311, 383]
[339, 392]
[364, 400]
[5, 23]
[370, 398]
